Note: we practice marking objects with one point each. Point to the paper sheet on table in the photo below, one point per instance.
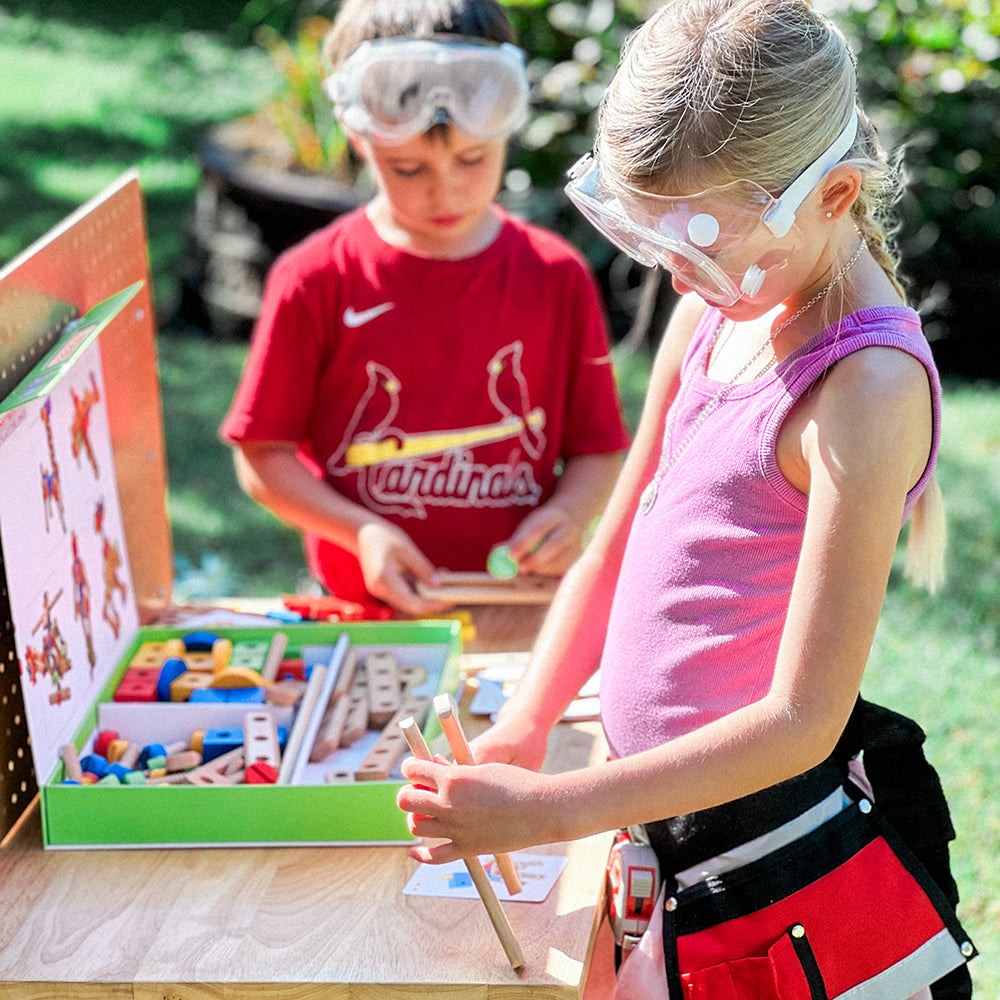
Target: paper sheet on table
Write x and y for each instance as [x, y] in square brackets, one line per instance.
[538, 873]
[496, 681]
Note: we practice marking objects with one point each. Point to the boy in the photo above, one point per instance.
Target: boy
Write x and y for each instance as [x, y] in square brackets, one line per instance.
[429, 377]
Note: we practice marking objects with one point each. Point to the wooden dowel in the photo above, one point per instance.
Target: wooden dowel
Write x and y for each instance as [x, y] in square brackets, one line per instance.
[293, 748]
[447, 712]
[269, 671]
[419, 748]
[318, 708]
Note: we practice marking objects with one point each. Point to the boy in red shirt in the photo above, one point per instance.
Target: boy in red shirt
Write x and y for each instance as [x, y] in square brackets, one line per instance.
[429, 377]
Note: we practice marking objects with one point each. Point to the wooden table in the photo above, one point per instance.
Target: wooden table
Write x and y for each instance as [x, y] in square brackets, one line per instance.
[289, 923]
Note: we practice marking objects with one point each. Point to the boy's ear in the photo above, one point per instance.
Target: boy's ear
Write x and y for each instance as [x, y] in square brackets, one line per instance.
[840, 190]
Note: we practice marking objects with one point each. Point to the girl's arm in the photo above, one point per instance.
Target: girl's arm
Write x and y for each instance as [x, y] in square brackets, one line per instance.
[865, 437]
[569, 645]
[273, 475]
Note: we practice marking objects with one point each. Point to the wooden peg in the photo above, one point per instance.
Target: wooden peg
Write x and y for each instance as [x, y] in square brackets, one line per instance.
[419, 748]
[447, 712]
[307, 707]
[331, 728]
[71, 762]
[269, 671]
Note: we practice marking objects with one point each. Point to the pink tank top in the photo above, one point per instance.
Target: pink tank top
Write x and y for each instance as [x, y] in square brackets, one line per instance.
[701, 599]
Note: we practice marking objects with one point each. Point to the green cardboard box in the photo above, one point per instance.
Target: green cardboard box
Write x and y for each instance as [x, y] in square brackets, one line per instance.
[309, 811]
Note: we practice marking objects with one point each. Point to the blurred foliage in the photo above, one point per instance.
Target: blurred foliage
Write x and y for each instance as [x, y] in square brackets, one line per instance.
[301, 111]
[929, 72]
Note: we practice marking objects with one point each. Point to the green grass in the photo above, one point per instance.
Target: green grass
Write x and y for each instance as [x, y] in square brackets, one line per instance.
[92, 89]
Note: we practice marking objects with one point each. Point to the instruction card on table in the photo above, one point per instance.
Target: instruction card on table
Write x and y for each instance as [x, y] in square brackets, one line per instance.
[538, 873]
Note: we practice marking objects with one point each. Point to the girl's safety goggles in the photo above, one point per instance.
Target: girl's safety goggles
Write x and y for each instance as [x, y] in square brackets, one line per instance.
[394, 89]
[707, 238]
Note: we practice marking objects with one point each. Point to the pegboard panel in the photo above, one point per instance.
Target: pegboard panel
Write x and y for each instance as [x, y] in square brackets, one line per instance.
[96, 252]
[17, 776]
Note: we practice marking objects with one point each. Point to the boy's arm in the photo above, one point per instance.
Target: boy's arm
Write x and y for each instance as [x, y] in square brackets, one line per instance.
[272, 474]
[550, 539]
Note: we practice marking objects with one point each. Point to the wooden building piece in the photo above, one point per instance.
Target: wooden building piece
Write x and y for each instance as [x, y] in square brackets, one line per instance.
[331, 727]
[71, 762]
[279, 641]
[391, 745]
[260, 736]
[384, 690]
[356, 724]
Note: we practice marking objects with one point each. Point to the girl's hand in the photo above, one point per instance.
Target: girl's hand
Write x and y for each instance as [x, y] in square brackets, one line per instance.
[510, 741]
[547, 542]
[477, 809]
[391, 564]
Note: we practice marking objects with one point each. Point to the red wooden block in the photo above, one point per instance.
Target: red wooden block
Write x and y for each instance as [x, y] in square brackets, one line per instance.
[261, 773]
[103, 740]
[138, 684]
[291, 669]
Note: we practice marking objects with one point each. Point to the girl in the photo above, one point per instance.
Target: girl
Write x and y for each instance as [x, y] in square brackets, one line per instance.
[732, 591]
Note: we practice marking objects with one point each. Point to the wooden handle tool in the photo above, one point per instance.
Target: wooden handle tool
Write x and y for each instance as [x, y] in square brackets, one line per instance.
[447, 712]
[419, 748]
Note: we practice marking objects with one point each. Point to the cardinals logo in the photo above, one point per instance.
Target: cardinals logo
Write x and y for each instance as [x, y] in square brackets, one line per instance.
[401, 472]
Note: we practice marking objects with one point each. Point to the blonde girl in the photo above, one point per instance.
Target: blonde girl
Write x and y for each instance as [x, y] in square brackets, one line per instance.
[732, 592]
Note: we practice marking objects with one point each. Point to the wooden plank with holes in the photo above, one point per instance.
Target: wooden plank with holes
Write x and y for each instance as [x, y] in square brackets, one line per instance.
[391, 745]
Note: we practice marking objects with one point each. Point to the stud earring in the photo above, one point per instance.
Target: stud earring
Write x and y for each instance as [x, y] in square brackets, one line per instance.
[829, 215]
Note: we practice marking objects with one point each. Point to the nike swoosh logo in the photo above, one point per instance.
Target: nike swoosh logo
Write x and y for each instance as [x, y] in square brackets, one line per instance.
[354, 319]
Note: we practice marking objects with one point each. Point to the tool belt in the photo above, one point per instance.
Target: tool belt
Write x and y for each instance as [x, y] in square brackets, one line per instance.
[844, 911]
[814, 889]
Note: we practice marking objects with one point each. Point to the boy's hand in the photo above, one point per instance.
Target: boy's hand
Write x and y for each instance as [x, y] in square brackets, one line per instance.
[547, 542]
[391, 564]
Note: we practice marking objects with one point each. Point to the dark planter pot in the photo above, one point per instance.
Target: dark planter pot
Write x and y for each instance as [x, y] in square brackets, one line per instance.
[246, 214]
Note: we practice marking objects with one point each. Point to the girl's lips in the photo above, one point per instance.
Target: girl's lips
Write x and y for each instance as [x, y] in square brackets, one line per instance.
[446, 220]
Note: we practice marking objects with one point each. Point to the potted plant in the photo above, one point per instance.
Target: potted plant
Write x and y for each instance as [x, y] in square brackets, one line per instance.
[267, 180]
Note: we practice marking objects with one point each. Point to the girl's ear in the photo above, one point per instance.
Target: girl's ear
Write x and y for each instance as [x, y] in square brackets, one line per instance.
[839, 190]
[358, 145]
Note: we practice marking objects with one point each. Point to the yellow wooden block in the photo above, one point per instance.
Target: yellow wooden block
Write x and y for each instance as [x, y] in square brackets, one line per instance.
[191, 680]
[222, 652]
[150, 654]
[237, 677]
[175, 647]
[199, 661]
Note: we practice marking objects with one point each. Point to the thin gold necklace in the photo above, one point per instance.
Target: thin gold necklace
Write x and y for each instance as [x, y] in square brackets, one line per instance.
[648, 498]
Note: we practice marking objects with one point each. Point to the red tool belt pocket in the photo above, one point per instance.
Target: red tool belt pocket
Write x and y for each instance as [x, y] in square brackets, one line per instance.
[788, 972]
[845, 911]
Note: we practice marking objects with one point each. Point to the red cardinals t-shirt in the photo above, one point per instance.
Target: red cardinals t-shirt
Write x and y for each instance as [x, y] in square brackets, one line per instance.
[441, 394]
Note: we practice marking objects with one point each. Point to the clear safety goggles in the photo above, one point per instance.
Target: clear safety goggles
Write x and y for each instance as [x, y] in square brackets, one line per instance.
[394, 89]
[705, 239]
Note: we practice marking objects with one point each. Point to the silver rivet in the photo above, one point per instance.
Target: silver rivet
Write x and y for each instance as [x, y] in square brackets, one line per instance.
[670, 904]
[798, 931]
[967, 950]
[865, 806]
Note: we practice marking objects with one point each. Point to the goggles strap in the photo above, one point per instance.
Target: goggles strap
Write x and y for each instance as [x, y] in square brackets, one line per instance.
[781, 217]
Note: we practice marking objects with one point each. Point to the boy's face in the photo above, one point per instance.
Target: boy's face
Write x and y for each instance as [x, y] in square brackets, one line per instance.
[437, 189]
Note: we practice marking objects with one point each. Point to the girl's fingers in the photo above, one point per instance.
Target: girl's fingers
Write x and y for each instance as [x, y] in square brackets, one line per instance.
[439, 854]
